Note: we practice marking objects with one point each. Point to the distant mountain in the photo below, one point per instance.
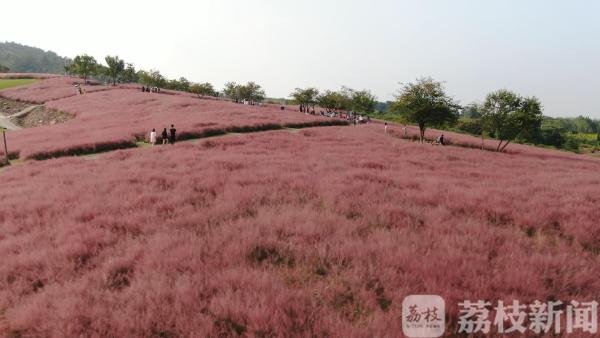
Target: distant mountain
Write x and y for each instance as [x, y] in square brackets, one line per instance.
[24, 59]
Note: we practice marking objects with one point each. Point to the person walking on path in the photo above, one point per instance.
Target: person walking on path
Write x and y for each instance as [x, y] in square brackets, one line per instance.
[385, 128]
[153, 137]
[165, 136]
[173, 131]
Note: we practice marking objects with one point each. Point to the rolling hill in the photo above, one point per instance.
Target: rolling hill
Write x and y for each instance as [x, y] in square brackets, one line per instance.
[25, 59]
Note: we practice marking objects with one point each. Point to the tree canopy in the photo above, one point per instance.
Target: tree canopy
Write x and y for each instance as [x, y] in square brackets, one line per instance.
[84, 66]
[182, 84]
[250, 92]
[426, 103]
[508, 115]
[306, 98]
[334, 101]
[203, 89]
[115, 68]
[152, 78]
[129, 74]
[361, 101]
[471, 111]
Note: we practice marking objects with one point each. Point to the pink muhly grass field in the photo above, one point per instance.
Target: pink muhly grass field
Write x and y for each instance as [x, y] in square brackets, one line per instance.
[322, 232]
[114, 117]
[53, 88]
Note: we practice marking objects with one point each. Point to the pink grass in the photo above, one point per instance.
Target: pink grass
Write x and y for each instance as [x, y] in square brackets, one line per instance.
[50, 89]
[287, 234]
[117, 116]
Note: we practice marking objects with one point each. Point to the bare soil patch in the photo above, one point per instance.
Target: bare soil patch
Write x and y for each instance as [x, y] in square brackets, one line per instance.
[10, 107]
[41, 116]
[37, 117]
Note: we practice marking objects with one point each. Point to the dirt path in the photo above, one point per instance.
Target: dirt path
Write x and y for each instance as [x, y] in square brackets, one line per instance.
[6, 123]
[25, 111]
[146, 145]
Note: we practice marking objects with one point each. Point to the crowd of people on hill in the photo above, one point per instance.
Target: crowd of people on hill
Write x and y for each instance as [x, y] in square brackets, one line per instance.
[358, 119]
[166, 137]
[247, 102]
[351, 117]
[148, 89]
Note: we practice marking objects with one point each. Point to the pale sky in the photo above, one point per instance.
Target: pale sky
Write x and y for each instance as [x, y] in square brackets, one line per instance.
[544, 48]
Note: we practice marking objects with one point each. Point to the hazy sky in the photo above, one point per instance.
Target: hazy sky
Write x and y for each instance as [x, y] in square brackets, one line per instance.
[546, 48]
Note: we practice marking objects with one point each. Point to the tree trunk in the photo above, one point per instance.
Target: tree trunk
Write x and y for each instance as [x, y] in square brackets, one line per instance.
[5, 148]
[499, 145]
[505, 145]
[482, 143]
[422, 132]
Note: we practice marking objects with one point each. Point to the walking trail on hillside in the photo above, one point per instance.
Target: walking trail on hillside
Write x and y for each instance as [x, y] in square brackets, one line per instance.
[95, 155]
[6, 123]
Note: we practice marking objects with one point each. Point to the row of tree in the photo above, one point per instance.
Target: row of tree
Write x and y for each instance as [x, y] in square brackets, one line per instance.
[569, 133]
[251, 92]
[346, 99]
[579, 124]
[118, 71]
[4, 69]
[504, 115]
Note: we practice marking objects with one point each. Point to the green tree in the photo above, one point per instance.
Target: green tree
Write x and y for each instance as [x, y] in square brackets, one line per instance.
[334, 101]
[203, 89]
[84, 66]
[129, 74]
[362, 101]
[471, 126]
[101, 74]
[152, 78]
[115, 68]
[471, 111]
[509, 116]
[551, 136]
[182, 84]
[426, 103]
[250, 92]
[231, 90]
[4, 69]
[306, 98]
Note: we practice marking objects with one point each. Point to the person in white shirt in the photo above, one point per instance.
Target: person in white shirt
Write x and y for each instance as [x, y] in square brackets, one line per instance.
[153, 137]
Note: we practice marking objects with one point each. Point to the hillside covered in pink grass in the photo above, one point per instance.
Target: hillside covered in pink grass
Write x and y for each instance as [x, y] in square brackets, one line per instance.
[111, 117]
[51, 88]
[321, 232]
